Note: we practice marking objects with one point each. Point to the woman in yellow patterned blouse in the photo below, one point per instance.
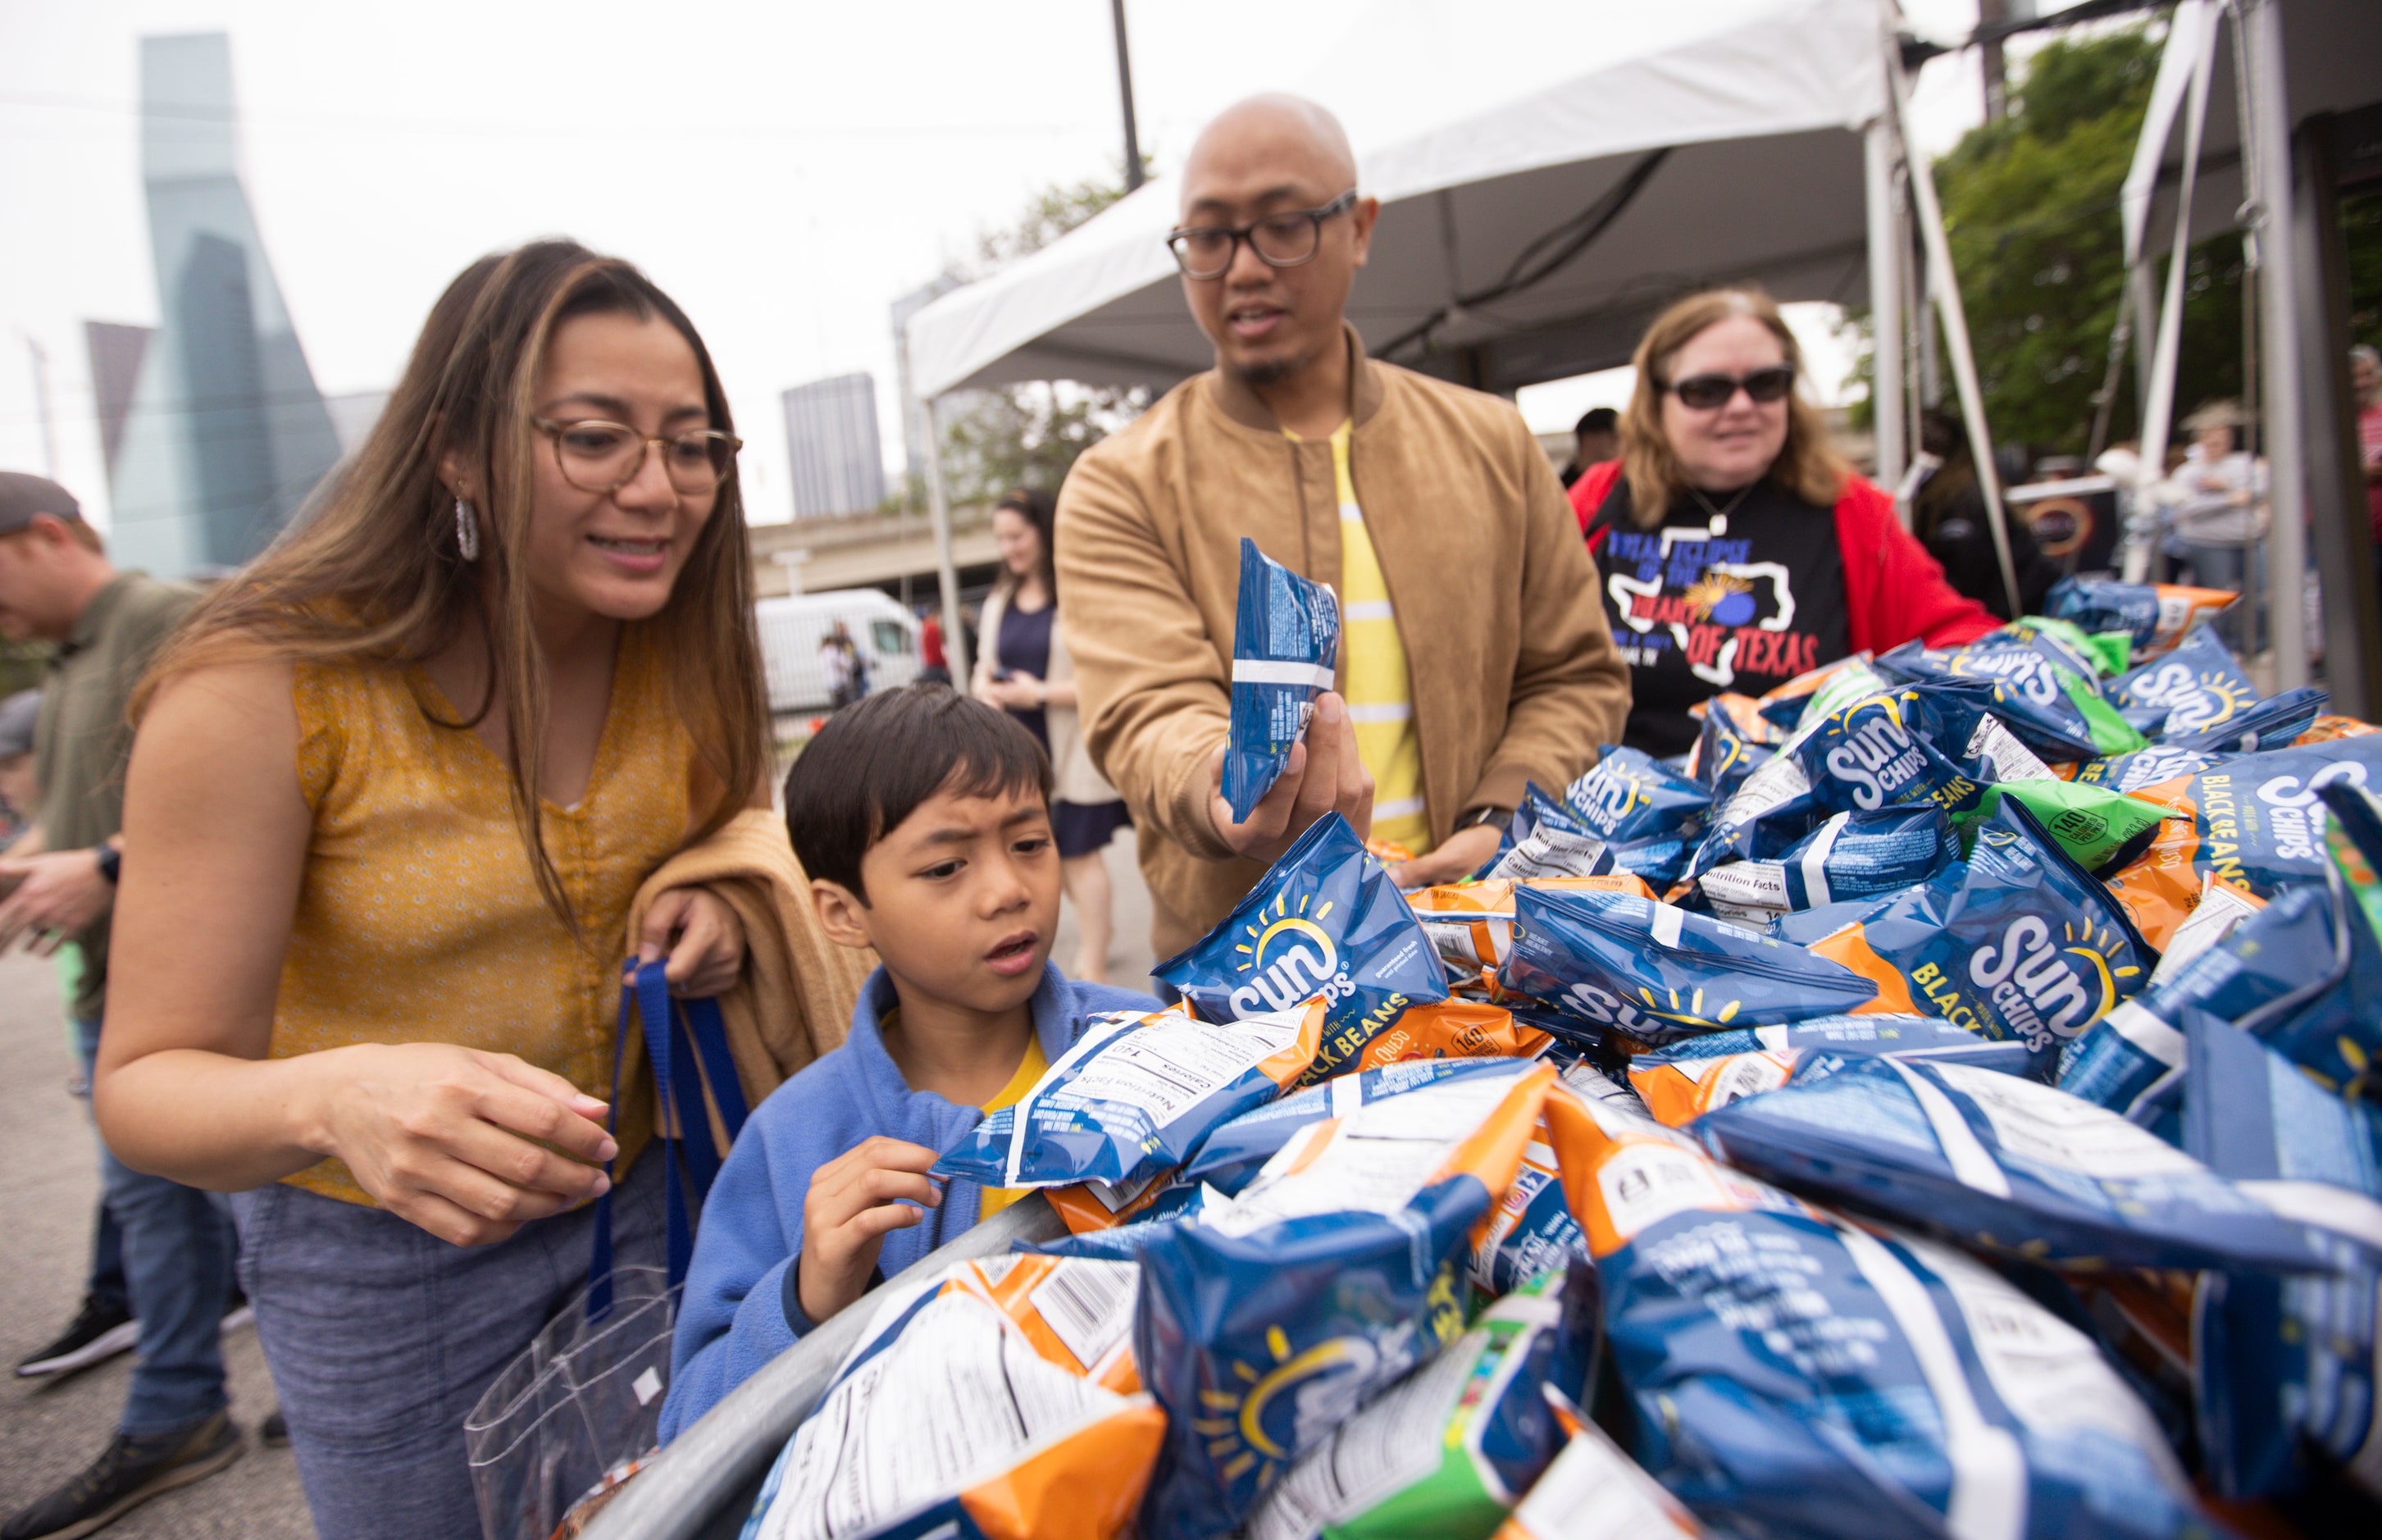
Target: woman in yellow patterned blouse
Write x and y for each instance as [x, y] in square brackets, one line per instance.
[395, 787]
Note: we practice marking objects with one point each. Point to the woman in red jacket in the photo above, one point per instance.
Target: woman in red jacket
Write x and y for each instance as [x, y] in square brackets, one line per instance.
[1712, 531]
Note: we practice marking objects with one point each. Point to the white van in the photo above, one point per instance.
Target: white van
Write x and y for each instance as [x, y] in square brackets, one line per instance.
[885, 636]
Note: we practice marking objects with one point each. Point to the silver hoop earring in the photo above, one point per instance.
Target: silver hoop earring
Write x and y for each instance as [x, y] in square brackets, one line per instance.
[466, 531]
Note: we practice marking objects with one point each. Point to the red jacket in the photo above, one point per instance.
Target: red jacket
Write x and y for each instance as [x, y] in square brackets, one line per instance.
[1894, 592]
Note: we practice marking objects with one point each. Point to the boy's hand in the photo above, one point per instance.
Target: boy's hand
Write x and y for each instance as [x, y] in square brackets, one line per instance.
[854, 1201]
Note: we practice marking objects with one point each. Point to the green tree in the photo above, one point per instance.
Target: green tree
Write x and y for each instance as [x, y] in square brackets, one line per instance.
[1029, 435]
[2030, 208]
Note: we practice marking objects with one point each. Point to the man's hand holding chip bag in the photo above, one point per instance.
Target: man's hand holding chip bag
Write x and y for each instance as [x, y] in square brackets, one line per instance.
[1322, 774]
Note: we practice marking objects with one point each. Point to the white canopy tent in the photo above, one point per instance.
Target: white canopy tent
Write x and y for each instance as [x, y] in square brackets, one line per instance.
[1740, 139]
[1481, 140]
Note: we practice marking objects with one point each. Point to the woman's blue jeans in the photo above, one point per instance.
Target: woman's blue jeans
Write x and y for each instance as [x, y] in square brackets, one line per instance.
[178, 1247]
[381, 1338]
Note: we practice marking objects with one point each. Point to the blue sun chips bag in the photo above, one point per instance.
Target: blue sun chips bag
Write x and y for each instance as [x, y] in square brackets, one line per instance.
[2288, 1365]
[1326, 921]
[1998, 1161]
[2197, 686]
[1136, 1095]
[2017, 942]
[1627, 796]
[1872, 754]
[1799, 1379]
[1271, 1319]
[1285, 647]
[1655, 973]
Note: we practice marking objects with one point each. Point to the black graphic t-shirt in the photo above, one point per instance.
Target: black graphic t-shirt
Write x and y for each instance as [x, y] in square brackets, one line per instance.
[1699, 605]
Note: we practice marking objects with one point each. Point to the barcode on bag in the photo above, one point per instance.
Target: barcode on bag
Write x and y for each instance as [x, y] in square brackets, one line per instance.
[1089, 1305]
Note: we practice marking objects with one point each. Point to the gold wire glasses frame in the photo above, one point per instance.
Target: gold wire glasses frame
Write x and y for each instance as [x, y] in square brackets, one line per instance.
[1288, 239]
[598, 456]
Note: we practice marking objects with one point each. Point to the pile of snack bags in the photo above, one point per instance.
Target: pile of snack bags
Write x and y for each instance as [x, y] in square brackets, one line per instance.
[1937, 1108]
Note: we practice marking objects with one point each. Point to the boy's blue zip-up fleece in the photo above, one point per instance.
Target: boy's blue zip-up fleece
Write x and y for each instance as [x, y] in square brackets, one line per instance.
[737, 1312]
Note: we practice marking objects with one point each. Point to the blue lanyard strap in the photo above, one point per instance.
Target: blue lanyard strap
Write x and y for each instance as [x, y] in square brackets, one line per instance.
[686, 1042]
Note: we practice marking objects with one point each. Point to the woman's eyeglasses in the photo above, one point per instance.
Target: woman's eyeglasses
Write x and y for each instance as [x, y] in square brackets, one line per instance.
[597, 456]
[1279, 239]
[1706, 392]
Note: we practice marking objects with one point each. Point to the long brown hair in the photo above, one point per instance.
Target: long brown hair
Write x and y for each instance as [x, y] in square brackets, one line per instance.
[374, 574]
[1808, 465]
[1039, 509]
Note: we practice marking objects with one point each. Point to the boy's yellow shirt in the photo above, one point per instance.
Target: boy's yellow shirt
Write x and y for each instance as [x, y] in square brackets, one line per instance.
[1029, 1070]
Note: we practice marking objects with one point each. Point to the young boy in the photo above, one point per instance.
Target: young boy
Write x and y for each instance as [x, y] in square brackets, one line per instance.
[923, 818]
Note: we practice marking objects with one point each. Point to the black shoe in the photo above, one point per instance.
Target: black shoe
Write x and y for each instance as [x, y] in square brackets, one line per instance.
[273, 1432]
[127, 1474]
[103, 1330]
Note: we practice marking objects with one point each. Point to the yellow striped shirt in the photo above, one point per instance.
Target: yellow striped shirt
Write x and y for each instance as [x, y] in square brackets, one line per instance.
[1030, 1070]
[1380, 694]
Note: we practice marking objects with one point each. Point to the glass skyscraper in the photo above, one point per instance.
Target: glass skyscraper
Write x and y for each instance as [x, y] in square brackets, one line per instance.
[223, 433]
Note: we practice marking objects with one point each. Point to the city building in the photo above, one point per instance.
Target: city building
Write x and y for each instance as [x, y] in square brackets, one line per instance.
[831, 443]
[213, 430]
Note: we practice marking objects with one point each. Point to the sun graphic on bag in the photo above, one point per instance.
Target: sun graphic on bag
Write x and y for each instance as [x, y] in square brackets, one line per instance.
[1688, 1011]
[1292, 1397]
[1721, 598]
[2213, 702]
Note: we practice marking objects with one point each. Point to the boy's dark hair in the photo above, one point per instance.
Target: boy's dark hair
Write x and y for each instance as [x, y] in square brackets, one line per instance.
[875, 761]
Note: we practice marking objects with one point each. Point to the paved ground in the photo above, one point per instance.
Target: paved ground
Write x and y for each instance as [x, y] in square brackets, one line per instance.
[1129, 958]
[50, 1430]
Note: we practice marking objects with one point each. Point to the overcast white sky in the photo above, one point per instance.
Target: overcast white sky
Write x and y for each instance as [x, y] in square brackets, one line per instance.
[784, 169]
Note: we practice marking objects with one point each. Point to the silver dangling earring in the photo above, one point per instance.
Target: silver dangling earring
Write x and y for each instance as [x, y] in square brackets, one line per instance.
[466, 531]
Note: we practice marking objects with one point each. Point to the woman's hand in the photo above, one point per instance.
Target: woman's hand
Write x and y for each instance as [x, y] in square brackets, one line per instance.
[468, 1145]
[699, 932]
[1019, 692]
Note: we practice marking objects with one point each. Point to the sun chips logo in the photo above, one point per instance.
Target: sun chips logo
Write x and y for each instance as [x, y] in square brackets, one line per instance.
[1292, 958]
[2048, 993]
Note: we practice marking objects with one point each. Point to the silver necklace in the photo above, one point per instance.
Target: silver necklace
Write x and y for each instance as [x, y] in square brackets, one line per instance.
[1720, 515]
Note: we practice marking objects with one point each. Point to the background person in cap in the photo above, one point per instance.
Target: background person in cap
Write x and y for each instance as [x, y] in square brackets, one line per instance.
[57, 584]
[1473, 656]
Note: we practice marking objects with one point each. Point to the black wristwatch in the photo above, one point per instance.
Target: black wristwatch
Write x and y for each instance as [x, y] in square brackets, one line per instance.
[1502, 819]
[110, 862]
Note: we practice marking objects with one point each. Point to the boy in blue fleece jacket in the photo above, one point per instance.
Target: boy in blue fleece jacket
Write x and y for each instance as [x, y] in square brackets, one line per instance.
[923, 818]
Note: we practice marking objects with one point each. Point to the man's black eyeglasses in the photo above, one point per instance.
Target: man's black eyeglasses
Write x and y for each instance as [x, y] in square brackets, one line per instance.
[1706, 392]
[1279, 239]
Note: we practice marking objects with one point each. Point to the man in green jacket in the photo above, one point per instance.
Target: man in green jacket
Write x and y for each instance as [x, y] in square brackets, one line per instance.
[57, 584]
[1474, 655]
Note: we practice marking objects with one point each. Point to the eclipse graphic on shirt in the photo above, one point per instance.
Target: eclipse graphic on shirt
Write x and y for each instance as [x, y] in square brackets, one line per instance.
[1699, 592]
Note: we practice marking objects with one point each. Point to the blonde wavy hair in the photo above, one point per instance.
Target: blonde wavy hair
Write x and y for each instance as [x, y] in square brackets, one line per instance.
[1808, 464]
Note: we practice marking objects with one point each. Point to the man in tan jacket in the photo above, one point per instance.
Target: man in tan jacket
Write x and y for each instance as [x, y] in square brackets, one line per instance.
[1474, 655]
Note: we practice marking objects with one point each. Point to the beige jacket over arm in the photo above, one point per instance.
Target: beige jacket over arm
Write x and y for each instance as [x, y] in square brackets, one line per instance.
[1514, 677]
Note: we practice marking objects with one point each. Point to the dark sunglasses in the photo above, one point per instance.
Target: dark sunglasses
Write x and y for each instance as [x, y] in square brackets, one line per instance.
[1706, 392]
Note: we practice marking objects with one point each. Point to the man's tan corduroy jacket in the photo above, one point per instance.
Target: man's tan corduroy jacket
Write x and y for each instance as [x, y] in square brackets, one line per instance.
[1514, 677]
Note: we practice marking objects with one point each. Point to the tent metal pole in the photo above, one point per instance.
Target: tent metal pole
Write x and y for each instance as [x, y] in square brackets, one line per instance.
[947, 579]
[2166, 320]
[1885, 303]
[2269, 166]
[1946, 284]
